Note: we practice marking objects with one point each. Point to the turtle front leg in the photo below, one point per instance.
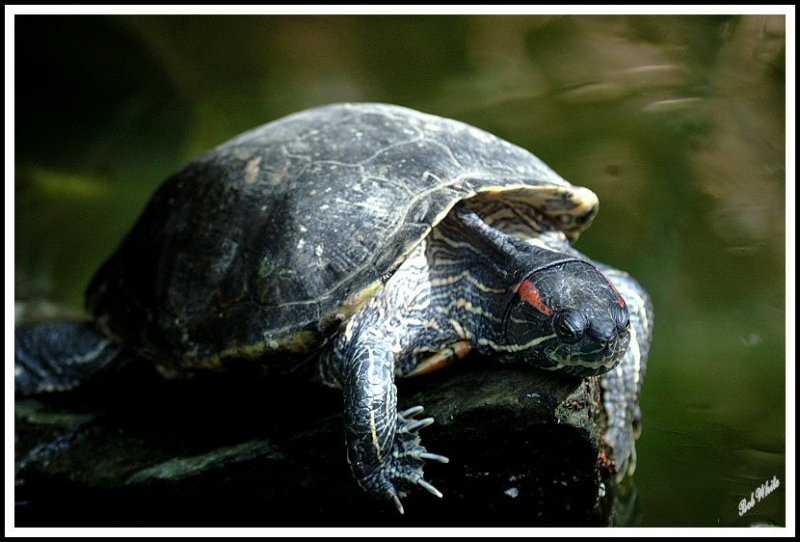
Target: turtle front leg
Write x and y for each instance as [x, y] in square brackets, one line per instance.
[383, 445]
[622, 385]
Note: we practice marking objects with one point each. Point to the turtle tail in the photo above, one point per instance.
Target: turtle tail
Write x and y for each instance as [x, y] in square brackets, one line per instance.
[58, 356]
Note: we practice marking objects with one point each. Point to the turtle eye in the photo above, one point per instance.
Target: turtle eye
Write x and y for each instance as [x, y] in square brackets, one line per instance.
[570, 326]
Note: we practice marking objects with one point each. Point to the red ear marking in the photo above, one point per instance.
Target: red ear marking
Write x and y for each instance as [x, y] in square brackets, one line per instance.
[530, 294]
[621, 300]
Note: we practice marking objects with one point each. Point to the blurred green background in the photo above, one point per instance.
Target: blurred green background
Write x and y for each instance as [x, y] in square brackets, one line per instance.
[677, 122]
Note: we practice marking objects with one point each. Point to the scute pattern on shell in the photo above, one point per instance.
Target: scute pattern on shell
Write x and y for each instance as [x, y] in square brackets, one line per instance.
[253, 246]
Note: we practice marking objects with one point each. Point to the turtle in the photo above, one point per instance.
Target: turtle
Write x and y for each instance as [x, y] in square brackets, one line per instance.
[373, 242]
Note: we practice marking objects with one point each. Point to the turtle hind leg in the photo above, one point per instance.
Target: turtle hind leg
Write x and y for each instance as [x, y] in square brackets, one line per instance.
[58, 356]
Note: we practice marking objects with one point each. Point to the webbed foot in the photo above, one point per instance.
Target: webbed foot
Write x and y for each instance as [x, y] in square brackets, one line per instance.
[403, 469]
[622, 440]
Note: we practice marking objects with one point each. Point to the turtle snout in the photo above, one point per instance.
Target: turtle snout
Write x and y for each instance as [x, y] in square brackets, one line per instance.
[613, 330]
[610, 337]
[614, 337]
[605, 333]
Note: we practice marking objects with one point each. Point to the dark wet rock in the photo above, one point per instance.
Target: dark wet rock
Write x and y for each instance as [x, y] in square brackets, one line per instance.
[139, 451]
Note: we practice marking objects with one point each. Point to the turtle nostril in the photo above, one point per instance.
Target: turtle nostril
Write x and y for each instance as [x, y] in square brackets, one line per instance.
[611, 338]
[605, 333]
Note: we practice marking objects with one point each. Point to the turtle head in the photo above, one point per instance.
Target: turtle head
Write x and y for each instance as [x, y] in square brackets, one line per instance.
[566, 315]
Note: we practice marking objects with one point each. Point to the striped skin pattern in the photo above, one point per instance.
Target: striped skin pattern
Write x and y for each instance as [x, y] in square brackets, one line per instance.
[622, 385]
[503, 285]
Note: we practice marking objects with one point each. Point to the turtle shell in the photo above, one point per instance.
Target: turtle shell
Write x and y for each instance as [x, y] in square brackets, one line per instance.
[268, 242]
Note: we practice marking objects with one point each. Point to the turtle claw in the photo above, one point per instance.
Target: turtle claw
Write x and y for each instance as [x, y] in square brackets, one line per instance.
[411, 412]
[433, 457]
[429, 487]
[403, 469]
[417, 425]
[398, 504]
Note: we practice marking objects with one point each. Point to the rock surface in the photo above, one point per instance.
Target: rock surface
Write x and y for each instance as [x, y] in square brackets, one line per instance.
[524, 450]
